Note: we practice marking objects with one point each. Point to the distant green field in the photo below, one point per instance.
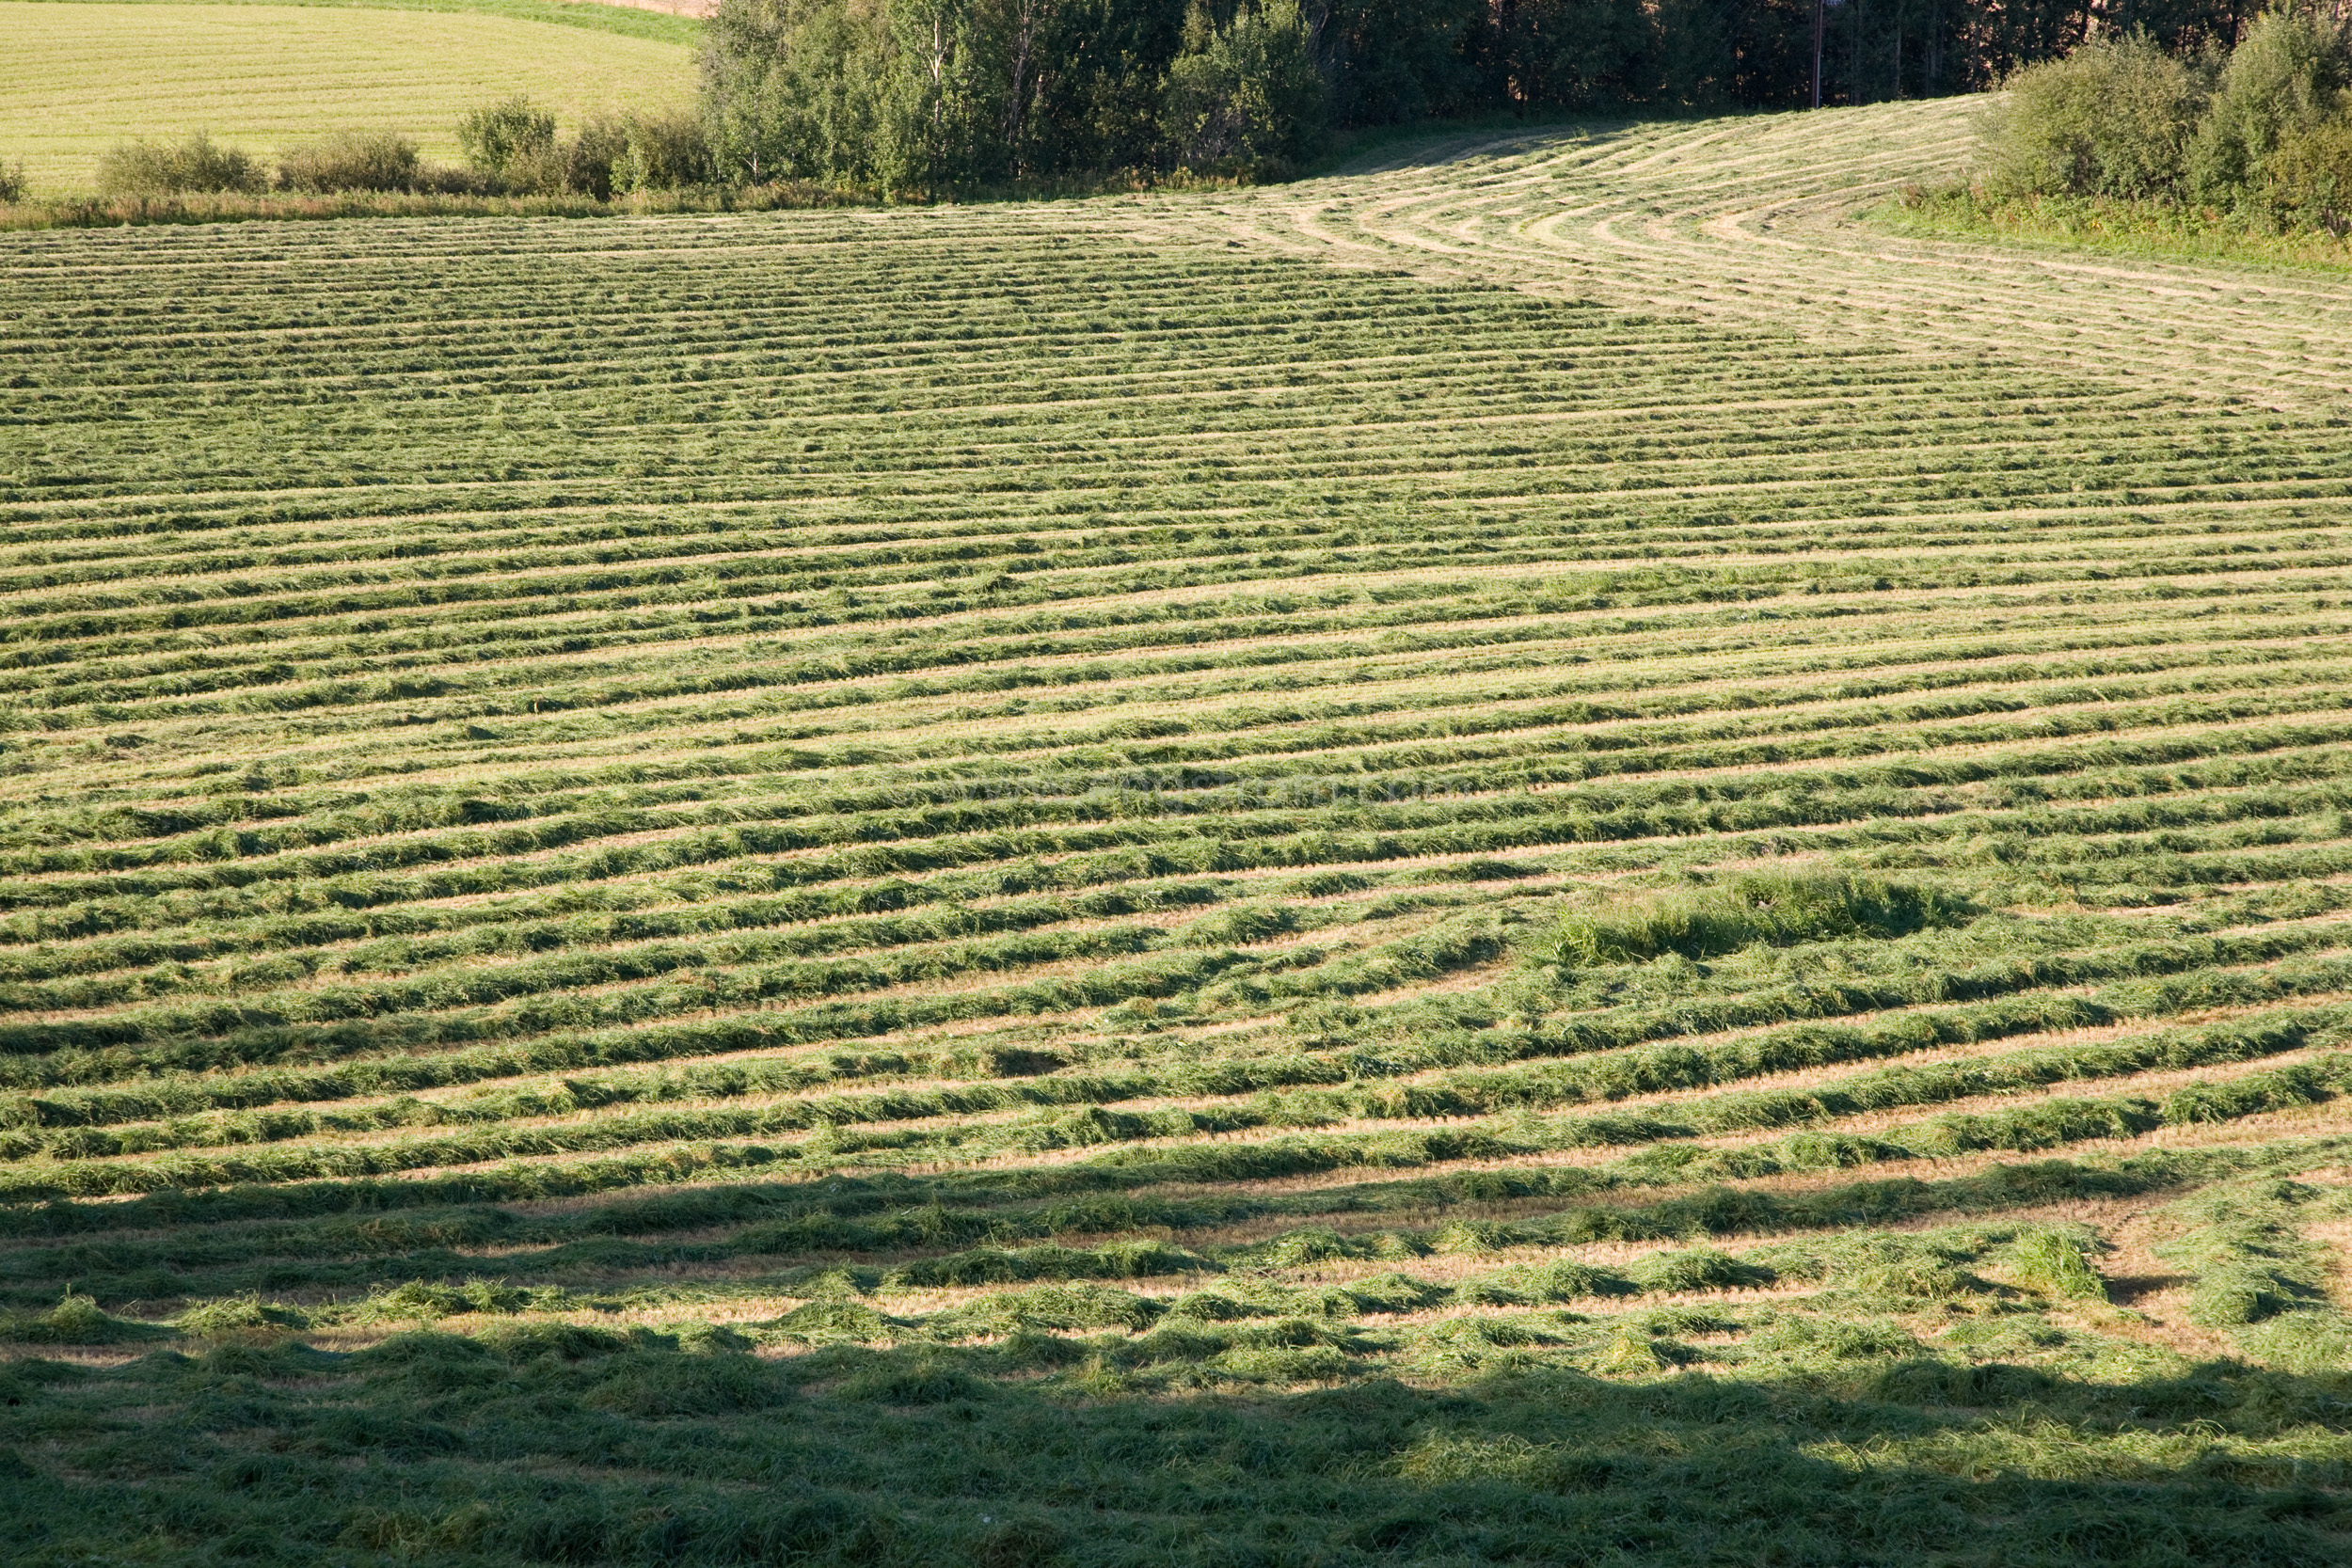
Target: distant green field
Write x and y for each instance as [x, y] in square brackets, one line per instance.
[77, 78]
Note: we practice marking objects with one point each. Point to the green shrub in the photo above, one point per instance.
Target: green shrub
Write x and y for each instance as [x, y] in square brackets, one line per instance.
[590, 158]
[13, 184]
[514, 146]
[2264, 132]
[514, 143]
[664, 152]
[2115, 117]
[352, 161]
[2287, 77]
[157, 168]
[2307, 180]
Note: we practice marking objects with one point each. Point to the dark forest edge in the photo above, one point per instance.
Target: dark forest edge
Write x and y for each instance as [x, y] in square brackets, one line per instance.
[931, 98]
[937, 97]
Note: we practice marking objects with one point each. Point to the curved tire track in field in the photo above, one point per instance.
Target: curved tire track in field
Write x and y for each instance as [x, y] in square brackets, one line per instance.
[1764, 221]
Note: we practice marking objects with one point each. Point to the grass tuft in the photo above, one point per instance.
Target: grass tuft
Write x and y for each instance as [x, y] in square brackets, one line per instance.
[1778, 909]
[2054, 1263]
[77, 1319]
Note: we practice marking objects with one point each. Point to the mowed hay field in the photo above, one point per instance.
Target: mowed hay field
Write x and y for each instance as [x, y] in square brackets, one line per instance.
[77, 78]
[1058, 884]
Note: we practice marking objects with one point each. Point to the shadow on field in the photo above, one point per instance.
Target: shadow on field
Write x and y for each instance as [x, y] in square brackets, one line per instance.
[556, 1444]
[1292, 1432]
[526, 1229]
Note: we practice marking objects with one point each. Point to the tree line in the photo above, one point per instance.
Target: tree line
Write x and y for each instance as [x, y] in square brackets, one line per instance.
[945, 95]
[931, 97]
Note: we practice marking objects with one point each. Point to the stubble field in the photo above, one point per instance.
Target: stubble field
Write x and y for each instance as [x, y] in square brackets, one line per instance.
[1058, 883]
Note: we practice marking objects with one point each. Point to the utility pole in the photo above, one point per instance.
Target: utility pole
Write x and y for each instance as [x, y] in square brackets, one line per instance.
[1819, 7]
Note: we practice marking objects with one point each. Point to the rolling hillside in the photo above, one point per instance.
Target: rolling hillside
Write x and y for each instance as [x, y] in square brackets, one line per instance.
[79, 76]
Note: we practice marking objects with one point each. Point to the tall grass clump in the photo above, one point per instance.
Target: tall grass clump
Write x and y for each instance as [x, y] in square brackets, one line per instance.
[229, 1315]
[75, 1320]
[2052, 1262]
[1777, 909]
[145, 167]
